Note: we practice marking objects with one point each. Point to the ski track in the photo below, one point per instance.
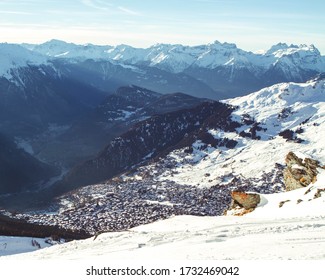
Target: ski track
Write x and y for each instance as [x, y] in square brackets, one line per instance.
[189, 237]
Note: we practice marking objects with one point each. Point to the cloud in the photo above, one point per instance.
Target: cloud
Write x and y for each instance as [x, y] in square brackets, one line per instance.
[107, 6]
[128, 11]
[98, 4]
[16, 13]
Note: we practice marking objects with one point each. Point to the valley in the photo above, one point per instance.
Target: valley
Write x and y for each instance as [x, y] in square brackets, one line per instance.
[103, 140]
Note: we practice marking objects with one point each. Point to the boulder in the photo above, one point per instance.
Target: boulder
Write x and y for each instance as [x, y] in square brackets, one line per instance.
[246, 200]
[299, 172]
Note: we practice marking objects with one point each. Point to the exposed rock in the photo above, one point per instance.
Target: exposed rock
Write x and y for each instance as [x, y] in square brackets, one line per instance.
[299, 173]
[319, 192]
[283, 202]
[246, 200]
[291, 136]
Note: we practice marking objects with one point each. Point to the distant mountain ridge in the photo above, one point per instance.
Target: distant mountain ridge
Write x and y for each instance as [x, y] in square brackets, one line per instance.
[216, 70]
[177, 58]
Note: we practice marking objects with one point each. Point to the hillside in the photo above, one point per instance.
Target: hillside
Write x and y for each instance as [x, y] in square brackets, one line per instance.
[294, 231]
[243, 144]
[19, 171]
[230, 147]
[145, 140]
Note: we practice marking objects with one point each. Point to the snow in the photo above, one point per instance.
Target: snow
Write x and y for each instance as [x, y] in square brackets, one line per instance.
[172, 58]
[10, 245]
[294, 231]
[251, 158]
[14, 56]
[24, 145]
[177, 58]
[61, 49]
[289, 225]
[298, 203]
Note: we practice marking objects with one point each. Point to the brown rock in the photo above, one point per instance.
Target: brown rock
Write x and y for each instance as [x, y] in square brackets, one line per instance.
[319, 192]
[282, 203]
[246, 200]
[299, 173]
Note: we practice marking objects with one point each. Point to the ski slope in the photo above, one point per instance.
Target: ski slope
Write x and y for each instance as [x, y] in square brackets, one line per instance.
[293, 231]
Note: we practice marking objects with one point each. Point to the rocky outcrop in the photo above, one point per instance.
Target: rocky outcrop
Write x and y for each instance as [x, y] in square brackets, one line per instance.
[299, 172]
[242, 203]
[246, 200]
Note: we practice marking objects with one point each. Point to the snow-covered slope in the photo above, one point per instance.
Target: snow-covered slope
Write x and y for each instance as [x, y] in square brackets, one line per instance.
[225, 148]
[306, 56]
[10, 245]
[196, 179]
[288, 107]
[61, 49]
[222, 68]
[293, 231]
[216, 70]
[177, 58]
[13, 56]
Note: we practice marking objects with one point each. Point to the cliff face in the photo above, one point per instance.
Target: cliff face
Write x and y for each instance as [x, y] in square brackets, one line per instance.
[299, 172]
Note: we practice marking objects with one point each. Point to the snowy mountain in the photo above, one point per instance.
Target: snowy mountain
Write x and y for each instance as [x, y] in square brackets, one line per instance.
[145, 140]
[187, 162]
[222, 67]
[13, 57]
[283, 117]
[154, 173]
[61, 49]
[177, 58]
[215, 71]
[173, 154]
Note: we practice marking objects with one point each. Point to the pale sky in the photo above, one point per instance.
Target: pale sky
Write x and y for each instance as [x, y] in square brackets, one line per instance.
[251, 24]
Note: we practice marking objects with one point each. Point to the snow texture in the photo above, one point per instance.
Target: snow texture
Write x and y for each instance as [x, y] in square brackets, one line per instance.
[286, 106]
[294, 231]
[286, 225]
[14, 56]
[177, 58]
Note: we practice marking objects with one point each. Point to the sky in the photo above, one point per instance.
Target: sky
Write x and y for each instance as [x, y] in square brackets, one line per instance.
[250, 24]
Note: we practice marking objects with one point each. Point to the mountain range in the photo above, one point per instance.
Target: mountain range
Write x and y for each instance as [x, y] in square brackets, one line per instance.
[99, 138]
[186, 162]
[216, 70]
[63, 103]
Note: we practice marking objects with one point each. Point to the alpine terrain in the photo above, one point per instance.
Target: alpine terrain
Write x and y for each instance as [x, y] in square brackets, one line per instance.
[168, 152]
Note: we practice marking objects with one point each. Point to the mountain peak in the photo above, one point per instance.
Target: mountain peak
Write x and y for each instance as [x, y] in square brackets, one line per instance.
[283, 47]
[278, 46]
[57, 42]
[218, 44]
[14, 56]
